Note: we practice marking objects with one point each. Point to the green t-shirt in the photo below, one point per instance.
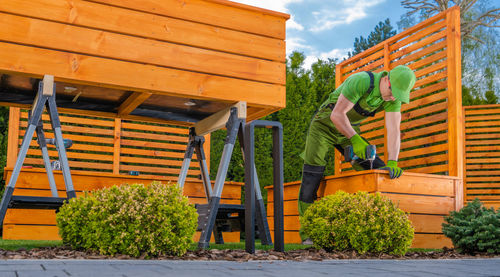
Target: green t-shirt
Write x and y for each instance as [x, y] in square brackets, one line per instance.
[354, 88]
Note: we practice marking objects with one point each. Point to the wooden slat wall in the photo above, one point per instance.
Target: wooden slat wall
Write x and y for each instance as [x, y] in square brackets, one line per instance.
[482, 154]
[203, 49]
[428, 198]
[110, 145]
[431, 128]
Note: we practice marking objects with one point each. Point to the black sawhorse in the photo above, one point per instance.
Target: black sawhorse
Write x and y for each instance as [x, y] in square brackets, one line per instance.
[209, 214]
[45, 98]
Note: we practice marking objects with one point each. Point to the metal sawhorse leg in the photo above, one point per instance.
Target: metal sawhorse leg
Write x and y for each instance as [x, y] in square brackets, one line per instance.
[45, 98]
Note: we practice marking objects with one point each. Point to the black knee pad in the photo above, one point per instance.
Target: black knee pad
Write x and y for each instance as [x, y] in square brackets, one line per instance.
[311, 178]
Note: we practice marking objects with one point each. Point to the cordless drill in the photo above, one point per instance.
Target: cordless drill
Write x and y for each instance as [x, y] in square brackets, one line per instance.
[371, 153]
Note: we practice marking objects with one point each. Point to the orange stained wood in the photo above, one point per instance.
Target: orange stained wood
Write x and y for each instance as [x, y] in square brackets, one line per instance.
[215, 51]
[215, 12]
[427, 198]
[89, 70]
[482, 149]
[147, 25]
[92, 42]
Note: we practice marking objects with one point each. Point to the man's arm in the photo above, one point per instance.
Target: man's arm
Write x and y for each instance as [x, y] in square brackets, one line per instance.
[339, 116]
[393, 123]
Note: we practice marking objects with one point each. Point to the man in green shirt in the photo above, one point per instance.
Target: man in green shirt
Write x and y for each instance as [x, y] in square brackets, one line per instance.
[337, 122]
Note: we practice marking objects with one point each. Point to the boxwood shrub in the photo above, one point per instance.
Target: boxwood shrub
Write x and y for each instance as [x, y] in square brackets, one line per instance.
[362, 222]
[130, 219]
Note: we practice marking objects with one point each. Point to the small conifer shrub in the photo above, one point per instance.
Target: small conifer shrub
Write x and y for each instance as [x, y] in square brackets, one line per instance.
[474, 228]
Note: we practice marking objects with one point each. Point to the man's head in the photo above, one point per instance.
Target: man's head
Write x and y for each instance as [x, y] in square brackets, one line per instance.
[401, 79]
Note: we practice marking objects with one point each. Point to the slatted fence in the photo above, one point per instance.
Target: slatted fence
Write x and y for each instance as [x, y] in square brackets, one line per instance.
[431, 128]
[482, 154]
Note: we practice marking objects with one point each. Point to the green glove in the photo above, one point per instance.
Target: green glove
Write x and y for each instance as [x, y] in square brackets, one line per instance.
[394, 170]
[359, 146]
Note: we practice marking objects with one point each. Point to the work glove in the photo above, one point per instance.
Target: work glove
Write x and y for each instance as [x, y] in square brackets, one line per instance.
[394, 170]
[359, 146]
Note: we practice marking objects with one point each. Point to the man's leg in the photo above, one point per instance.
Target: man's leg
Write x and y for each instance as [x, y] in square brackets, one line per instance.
[318, 143]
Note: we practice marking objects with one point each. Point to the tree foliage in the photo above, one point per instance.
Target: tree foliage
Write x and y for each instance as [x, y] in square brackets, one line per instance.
[470, 18]
[480, 39]
[382, 31]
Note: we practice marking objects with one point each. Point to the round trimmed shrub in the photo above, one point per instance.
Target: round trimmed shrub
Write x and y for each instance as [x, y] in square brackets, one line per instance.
[474, 228]
[130, 219]
[362, 222]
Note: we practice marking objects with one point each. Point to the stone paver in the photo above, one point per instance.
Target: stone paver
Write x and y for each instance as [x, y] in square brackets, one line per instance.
[129, 268]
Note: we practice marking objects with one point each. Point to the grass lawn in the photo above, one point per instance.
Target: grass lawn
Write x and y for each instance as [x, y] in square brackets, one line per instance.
[30, 244]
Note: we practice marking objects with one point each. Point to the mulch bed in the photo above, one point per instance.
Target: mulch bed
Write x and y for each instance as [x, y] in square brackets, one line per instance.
[236, 255]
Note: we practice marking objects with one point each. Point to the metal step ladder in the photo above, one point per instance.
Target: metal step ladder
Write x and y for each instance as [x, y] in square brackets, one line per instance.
[45, 98]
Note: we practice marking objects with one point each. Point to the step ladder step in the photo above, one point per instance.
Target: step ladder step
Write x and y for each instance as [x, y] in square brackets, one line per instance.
[35, 202]
[226, 219]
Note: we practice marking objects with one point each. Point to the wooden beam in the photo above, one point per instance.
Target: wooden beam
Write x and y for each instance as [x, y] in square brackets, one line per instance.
[133, 102]
[13, 135]
[219, 119]
[455, 117]
[109, 73]
[117, 145]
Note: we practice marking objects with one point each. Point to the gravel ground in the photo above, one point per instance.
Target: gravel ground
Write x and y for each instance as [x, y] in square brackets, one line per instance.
[309, 254]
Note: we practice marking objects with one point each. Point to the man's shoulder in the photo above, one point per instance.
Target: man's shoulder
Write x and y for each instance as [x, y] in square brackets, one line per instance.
[358, 80]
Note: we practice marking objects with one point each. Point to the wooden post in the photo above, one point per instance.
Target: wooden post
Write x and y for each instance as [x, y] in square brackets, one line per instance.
[13, 136]
[117, 144]
[338, 155]
[455, 117]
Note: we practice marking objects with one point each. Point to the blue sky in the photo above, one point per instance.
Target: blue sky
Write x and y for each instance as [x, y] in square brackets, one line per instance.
[327, 28]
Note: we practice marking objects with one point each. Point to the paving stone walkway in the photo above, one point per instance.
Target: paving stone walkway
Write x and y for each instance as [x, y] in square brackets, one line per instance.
[130, 268]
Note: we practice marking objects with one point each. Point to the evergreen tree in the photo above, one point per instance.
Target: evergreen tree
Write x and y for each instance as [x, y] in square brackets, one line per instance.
[382, 31]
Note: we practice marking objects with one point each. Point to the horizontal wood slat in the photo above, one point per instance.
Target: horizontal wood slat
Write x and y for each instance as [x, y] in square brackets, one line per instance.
[92, 42]
[83, 69]
[218, 13]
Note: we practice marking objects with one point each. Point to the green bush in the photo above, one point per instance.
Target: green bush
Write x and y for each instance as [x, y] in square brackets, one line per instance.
[474, 228]
[130, 219]
[362, 222]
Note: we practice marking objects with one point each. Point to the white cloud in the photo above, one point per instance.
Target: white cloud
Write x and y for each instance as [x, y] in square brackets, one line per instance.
[296, 44]
[292, 24]
[354, 10]
[339, 54]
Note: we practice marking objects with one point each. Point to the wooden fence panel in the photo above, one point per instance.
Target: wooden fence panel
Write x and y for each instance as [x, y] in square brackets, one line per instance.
[431, 128]
[109, 145]
[482, 154]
